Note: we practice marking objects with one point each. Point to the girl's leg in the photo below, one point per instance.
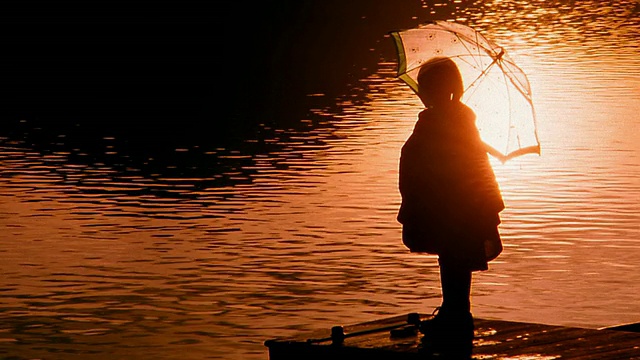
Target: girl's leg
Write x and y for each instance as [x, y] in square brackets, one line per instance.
[456, 288]
[450, 332]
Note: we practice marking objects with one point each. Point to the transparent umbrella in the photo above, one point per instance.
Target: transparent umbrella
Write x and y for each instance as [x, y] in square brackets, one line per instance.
[496, 89]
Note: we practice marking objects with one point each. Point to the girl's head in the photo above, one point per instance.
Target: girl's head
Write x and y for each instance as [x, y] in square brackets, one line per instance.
[439, 82]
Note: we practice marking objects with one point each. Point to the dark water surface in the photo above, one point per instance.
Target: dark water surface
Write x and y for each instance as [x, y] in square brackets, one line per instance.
[115, 247]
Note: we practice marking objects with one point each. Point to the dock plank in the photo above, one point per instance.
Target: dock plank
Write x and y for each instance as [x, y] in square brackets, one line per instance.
[494, 339]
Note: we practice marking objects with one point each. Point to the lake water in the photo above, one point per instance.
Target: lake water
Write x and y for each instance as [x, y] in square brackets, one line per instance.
[295, 229]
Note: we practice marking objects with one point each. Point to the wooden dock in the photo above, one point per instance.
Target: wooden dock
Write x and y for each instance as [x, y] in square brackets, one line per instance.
[494, 339]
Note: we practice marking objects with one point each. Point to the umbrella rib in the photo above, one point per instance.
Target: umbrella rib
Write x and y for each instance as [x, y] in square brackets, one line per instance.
[462, 58]
[478, 43]
[510, 114]
[527, 96]
[482, 74]
[468, 50]
[516, 84]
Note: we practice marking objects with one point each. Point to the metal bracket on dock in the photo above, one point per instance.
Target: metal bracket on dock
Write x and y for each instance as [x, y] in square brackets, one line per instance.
[338, 335]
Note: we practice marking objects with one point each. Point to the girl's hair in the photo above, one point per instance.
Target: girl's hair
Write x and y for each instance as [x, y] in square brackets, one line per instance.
[439, 80]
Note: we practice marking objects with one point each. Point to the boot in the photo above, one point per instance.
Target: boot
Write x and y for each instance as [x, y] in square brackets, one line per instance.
[448, 335]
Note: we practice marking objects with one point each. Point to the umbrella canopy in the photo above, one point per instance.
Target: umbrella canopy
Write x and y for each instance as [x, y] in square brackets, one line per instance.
[496, 89]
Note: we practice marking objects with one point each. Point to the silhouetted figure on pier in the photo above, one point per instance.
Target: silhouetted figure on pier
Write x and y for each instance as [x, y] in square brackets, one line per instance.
[450, 200]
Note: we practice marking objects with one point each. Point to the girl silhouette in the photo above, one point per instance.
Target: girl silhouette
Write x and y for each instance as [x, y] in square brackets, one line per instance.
[450, 199]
